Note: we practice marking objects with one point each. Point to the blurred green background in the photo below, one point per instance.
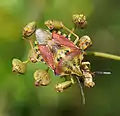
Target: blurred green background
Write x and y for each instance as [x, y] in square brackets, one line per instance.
[19, 96]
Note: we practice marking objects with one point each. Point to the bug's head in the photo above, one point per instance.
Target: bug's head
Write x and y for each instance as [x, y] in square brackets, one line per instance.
[84, 42]
[42, 36]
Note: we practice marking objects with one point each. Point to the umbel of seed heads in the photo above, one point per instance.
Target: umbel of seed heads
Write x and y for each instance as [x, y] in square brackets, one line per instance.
[79, 20]
[62, 48]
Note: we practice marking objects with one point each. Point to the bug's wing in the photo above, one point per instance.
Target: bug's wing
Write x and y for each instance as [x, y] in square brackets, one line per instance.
[70, 64]
[47, 55]
[63, 41]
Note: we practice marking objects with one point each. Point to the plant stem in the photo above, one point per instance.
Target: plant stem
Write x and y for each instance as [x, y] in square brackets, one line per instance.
[104, 55]
[26, 61]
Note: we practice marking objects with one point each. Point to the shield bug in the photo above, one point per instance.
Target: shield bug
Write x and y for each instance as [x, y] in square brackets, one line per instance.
[54, 46]
[60, 54]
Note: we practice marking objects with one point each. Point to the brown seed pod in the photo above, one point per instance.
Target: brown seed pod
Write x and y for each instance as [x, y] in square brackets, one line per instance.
[79, 20]
[60, 87]
[53, 24]
[88, 81]
[87, 76]
[41, 77]
[18, 66]
[29, 29]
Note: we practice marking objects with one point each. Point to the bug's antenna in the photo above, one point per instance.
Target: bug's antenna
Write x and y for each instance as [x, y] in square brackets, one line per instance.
[82, 92]
[102, 73]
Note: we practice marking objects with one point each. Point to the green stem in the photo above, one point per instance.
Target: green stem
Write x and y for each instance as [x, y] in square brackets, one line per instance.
[26, 61]
[104, 55]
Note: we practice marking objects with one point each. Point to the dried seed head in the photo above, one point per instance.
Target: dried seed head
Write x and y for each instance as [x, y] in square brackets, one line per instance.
[87, 76]
[41, 77]
[53, 24]
[60, 87]
[88, 82]
[18, 66]
[29, 29]
[79, 20]
[84, 42]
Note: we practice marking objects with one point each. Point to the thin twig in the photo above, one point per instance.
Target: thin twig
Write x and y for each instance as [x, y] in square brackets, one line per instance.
[82, 92]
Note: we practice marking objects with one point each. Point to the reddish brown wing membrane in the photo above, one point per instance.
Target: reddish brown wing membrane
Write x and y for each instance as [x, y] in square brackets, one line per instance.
[63, 41]
[69, 64]
[47, 55]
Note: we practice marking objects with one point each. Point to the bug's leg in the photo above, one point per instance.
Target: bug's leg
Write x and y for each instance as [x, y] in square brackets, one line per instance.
[69, 35]
[57, 25]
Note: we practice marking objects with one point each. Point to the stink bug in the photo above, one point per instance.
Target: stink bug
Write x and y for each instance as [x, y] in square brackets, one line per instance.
[53, 47]
[60, 54]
